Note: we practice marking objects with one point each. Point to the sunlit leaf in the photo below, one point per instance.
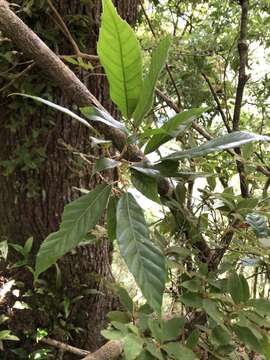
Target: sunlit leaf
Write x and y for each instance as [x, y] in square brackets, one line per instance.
[174, 127]
[228, 141]
[120, 55]
[158, 61]
[95, 114]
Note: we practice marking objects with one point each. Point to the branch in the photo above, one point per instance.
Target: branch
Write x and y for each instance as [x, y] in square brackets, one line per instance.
[65, 347]
[242, 80]
[110, 351]
[243, 57]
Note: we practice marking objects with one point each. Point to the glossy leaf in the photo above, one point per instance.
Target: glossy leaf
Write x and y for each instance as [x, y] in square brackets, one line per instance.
[228, 141]
[143, 258]
[104, 164]
[146, 185]
[174, 127]
[95, 114]
[79, 217]
[158, 61]
[59, 108]
[120, 55]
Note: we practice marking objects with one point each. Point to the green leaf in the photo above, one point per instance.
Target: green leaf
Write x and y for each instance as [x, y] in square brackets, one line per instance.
[265, 347]
[176, 126]
[28, 245]
[95, 114]
[221, 336]
[104, 164]
[143, 258]
[59, 108]
[6, 335]
[119, 316]
[158, 61]
[262, 305]
[172, 328]
[193, 285]
[179, 352]
[154, 350]
[133, 346]
[165, 168]
[212, 310]
[125, 299]
[146, 185]
[248, 338]
[155, 325]
[4, 249]
[193, 339]
[191, 299]
[111, 218]
[79, 217]
[228, 141]
[238, 288]
[112, 334]
[120, 55]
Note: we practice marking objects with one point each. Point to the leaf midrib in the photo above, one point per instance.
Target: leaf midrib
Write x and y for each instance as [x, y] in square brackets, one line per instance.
[86, 210]
[122, 63]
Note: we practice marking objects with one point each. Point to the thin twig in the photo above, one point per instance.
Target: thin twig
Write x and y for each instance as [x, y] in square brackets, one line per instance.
[222, 114]
[61, 24]
[81, 55]
[17, 77]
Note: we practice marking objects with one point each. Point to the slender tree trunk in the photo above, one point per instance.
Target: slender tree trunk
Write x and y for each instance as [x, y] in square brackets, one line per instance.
[41, 166]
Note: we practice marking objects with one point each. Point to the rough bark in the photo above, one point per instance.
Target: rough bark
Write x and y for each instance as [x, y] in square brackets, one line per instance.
[32, 200]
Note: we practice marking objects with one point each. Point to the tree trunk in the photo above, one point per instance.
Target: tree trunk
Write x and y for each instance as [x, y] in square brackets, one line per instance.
[41, 165]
